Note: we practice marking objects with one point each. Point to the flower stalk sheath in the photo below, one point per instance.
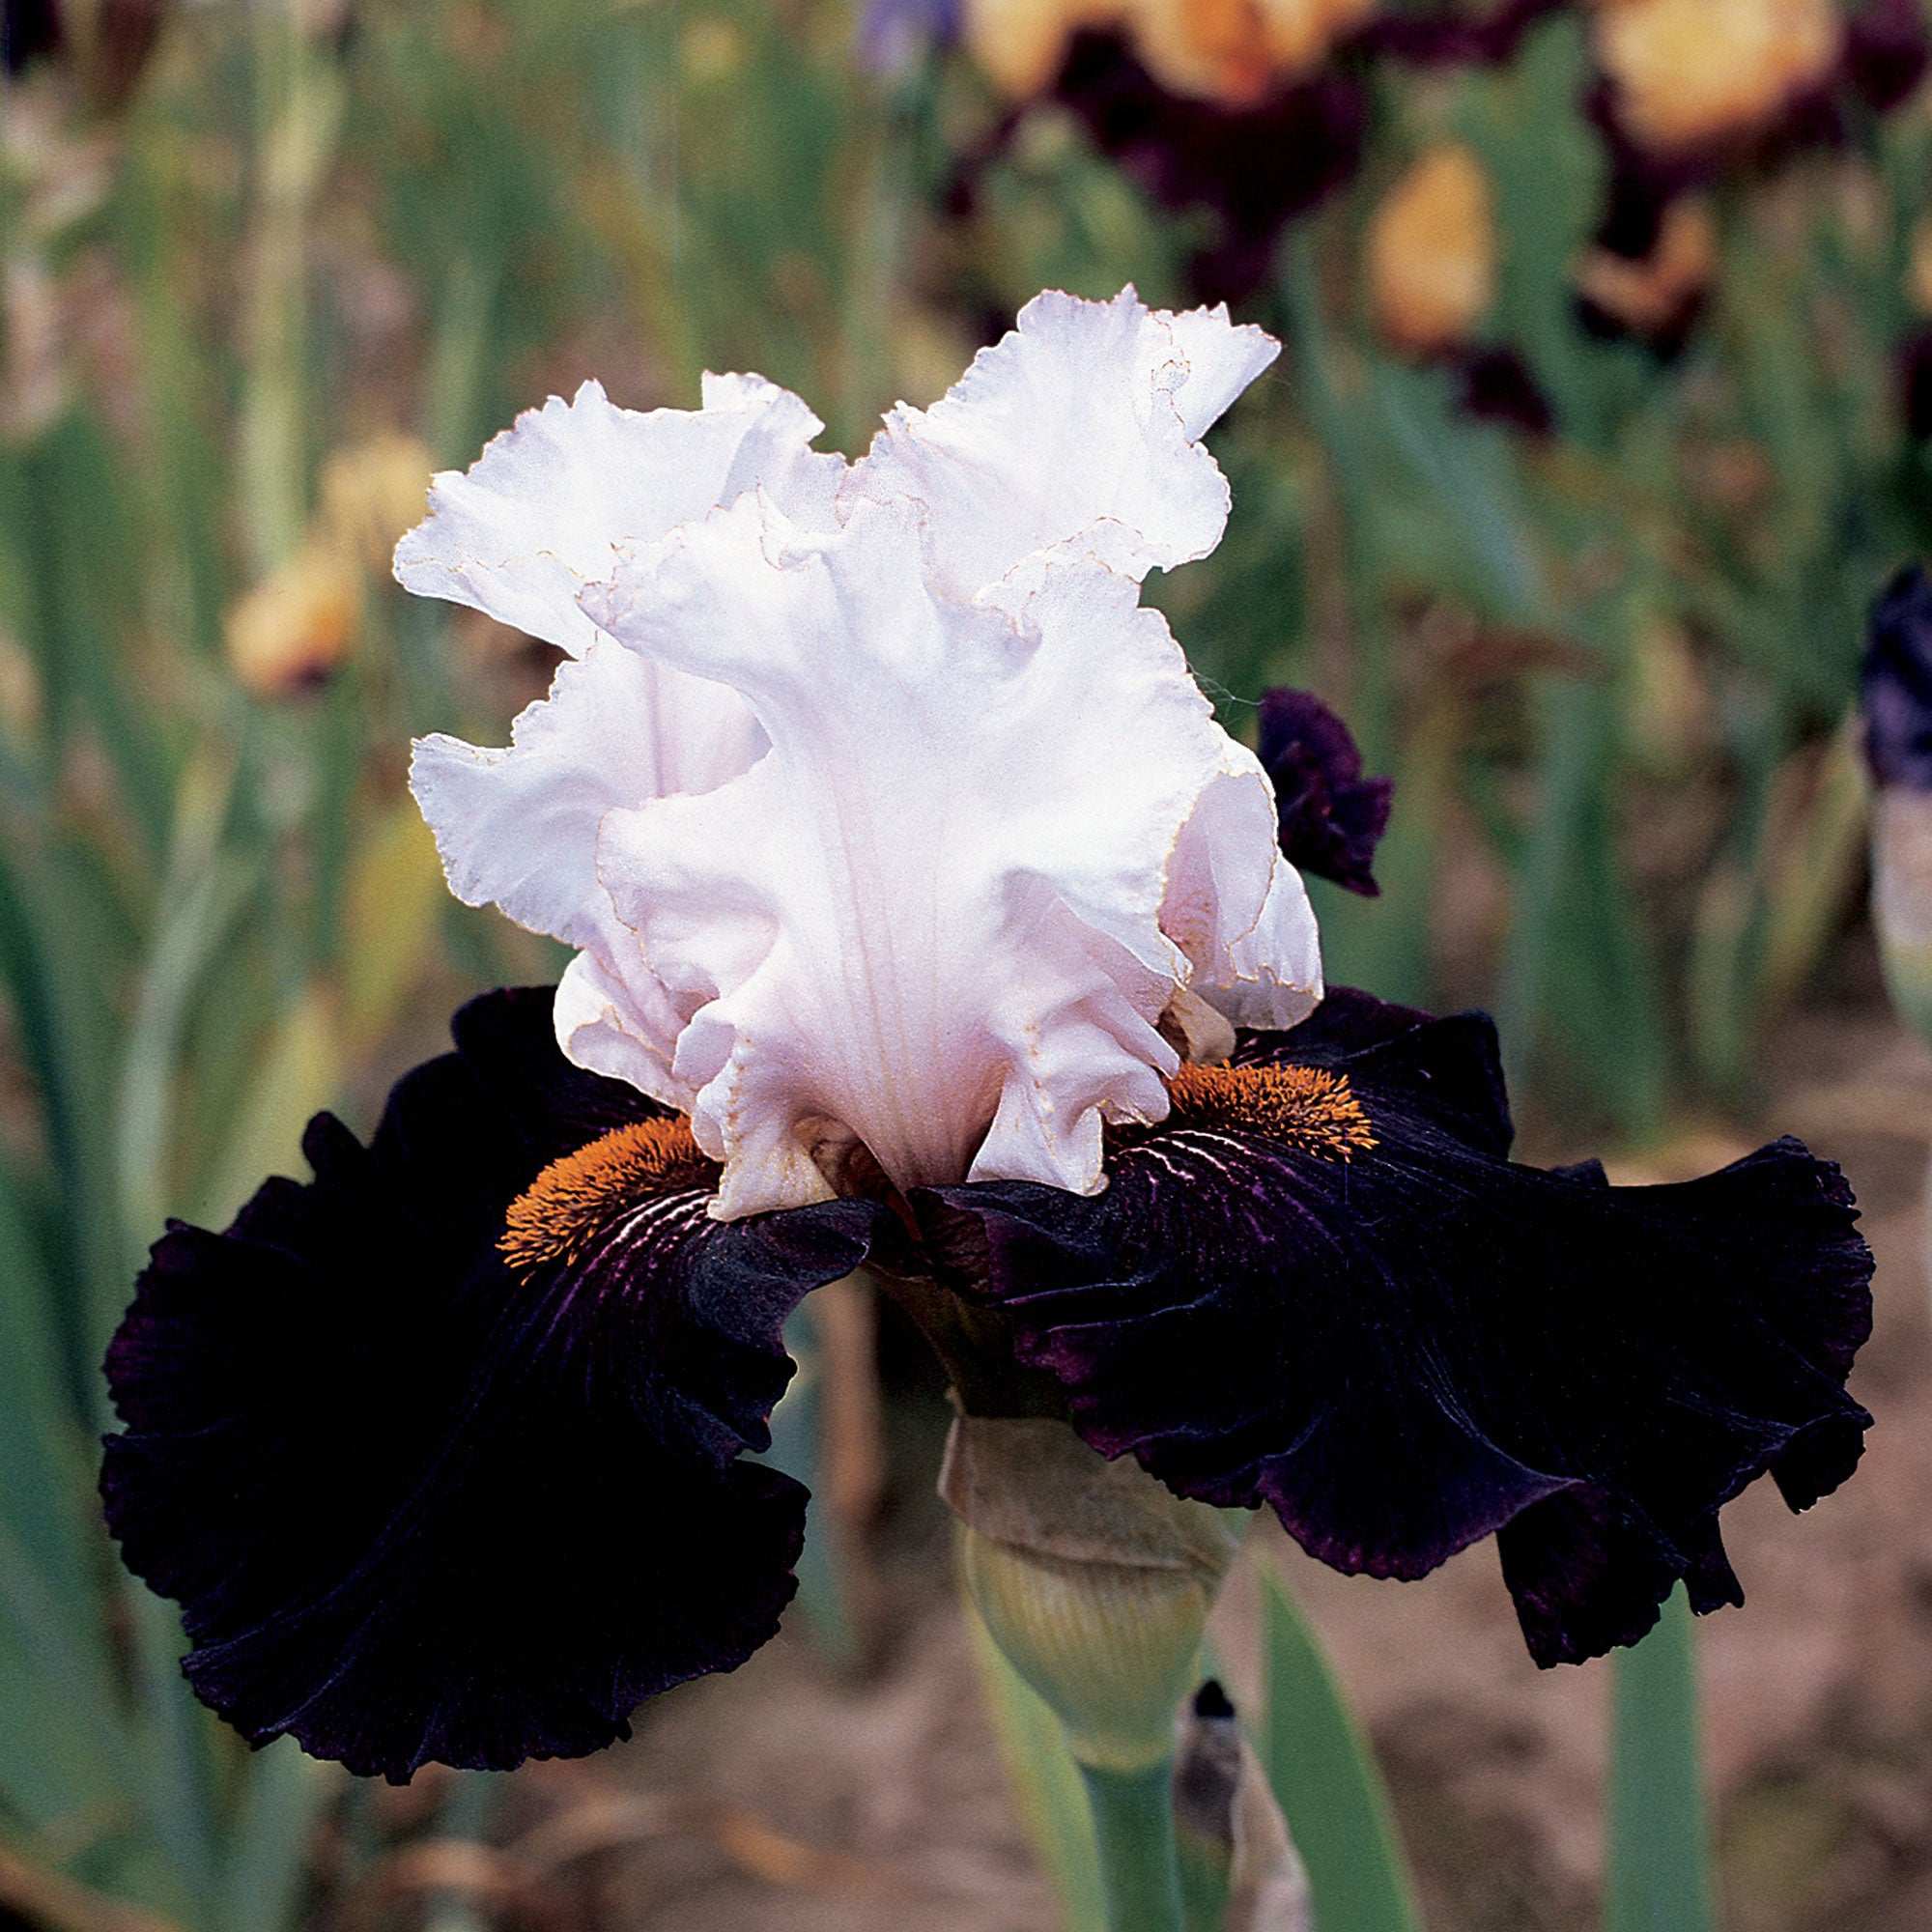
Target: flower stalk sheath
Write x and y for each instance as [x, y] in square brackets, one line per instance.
[1133, 1829]
[1092, 1579]
[1096, 1582]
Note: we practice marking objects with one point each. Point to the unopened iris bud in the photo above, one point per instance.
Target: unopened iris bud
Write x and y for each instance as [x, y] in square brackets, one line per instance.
[1236, 53]
[1897, 700]
[107, 46]
[1432, 253]
[1092, 1579]
[372, 492]
[1239, 1866]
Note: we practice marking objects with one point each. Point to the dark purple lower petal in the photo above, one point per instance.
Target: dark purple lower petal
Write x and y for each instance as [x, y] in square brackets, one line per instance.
[416, 1504]
[1407, 1347]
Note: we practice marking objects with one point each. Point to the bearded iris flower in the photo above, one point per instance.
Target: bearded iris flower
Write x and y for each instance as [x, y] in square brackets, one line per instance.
[924, 919]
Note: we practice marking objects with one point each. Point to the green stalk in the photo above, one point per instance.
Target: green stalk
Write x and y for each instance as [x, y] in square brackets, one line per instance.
[1659, 1876]
[299, 100]
[1133, 1824]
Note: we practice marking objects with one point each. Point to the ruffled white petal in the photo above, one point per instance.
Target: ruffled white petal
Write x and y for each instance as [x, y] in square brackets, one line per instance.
[1240, 911]
[518, 827]
[622, 1023]
[519, 533]
[1272, 976]
[934, 916]
[1086, 413]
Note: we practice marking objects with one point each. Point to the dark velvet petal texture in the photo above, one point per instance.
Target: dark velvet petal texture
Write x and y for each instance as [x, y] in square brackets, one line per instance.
[1332, 819]
[1422, 1343]
[416, 1504]
[1896, 683]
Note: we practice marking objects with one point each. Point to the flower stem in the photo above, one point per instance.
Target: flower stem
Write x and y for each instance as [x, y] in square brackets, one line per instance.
[1133, 1825]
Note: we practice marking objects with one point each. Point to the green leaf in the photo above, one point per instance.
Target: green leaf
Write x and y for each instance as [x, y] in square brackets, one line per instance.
[176, 1785]
[797, 1429]
[63, 1747]
[301, 1072]
[1325, 1779]
[56, 981]
[1659, 1871]
[266, 1858]
[45, 1475]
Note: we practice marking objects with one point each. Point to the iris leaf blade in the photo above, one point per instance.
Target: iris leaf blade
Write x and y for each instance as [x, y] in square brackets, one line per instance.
[1658, 1876]
[266, 1856]
[1325, 1779]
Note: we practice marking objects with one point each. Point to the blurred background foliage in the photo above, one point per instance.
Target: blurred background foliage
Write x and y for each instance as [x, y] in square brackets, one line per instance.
[1601, 415]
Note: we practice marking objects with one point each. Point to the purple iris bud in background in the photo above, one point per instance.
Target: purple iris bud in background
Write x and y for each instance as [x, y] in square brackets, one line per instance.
[1257, 168]
[1915, 382]
[1331, 816]
[1896, 700]
[892, 34]
[28, 29]
[1896, 681]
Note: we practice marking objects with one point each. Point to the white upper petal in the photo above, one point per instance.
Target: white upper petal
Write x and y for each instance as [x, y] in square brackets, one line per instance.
[945, 913]
[1271, 975]
[517, 536]
[534, 519]
[1085, 411]
[518, 828]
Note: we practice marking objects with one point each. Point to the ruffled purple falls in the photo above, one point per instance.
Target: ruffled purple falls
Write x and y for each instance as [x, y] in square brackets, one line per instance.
[417, 1506]
[1405, 1347]
[421, 1498]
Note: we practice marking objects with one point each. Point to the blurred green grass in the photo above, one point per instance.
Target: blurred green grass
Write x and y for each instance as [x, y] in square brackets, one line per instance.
[1611, 670]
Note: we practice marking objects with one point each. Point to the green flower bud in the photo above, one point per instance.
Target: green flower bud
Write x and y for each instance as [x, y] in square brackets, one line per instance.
[1093, 1580]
